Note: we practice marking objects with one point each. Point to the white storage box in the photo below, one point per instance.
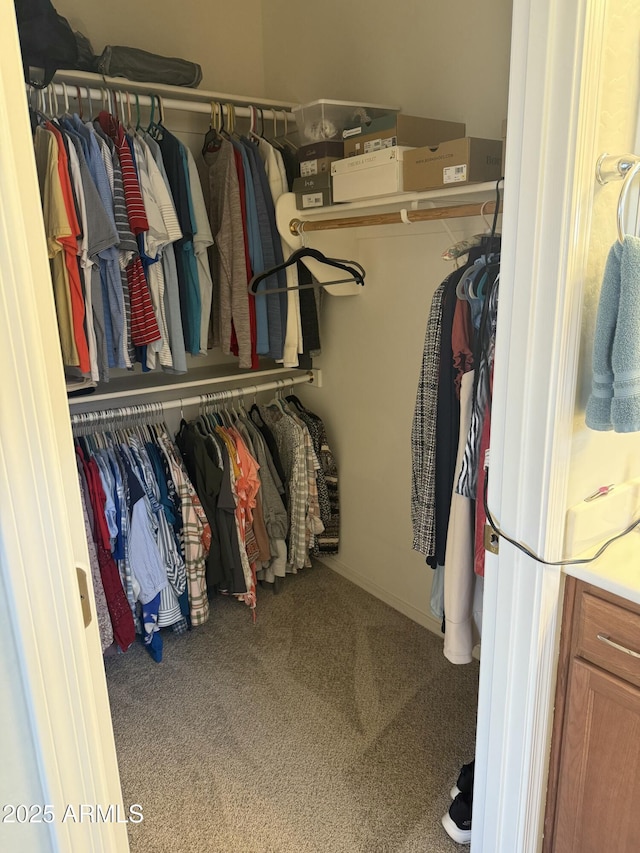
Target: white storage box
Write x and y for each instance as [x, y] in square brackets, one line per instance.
[368, 175]
[320, 120]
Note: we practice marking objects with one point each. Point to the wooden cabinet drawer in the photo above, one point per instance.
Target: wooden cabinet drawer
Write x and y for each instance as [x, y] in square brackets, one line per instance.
[608, 635]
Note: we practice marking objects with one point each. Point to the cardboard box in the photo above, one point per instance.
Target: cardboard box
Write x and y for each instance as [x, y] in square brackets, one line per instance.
[459, 161]
[317, 167]
[368, 176]
[313, 191]
[330, 148]
[399, 129]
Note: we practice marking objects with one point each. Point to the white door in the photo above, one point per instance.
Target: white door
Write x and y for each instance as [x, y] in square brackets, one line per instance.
[554, 107]
[58, 751]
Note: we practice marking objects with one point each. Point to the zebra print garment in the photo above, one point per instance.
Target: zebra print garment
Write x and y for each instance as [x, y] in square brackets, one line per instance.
[468, 480]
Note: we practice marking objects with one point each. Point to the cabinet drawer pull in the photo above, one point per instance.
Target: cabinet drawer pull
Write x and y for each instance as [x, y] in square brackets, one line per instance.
[617, 646]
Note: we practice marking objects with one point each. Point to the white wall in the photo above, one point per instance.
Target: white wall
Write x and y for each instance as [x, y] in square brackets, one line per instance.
[224, 38]
[447, 60]
[600, 458]
[372, 354]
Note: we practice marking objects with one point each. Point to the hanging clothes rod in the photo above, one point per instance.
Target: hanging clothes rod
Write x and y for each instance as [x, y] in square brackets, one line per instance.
[91, 95]
[299, 226]
[106, 416]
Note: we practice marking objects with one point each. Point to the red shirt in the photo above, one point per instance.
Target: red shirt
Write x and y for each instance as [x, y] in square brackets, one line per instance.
[144, 326]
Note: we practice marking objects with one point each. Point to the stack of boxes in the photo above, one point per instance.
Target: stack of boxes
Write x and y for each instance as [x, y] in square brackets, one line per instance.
[393, 153]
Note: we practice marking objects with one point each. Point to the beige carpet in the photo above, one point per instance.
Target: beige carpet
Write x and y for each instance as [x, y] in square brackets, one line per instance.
[332, 725]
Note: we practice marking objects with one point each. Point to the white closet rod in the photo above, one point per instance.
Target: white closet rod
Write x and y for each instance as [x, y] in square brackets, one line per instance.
[85, 418]
[93, 96]
[171, 388]
[234, 393]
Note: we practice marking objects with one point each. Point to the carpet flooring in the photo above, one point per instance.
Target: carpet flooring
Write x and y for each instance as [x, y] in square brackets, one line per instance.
[332, 725]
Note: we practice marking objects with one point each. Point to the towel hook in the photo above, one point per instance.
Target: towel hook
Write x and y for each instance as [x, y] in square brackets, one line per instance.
[622, 201]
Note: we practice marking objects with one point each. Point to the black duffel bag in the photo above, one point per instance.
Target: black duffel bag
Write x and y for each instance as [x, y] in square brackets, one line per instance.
[46, 40]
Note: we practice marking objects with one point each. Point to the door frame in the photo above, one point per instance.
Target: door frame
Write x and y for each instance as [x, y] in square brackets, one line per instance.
[42, 537]
[556, 50]
[556, 60]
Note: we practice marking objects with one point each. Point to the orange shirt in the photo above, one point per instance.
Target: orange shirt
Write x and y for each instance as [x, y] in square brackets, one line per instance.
[70, 246]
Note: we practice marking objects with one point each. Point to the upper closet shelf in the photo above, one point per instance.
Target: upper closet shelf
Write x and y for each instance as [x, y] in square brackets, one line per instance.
[373, 211]
[440, 204]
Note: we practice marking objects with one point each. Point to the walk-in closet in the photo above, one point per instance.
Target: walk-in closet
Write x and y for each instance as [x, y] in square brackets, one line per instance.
[302, 675]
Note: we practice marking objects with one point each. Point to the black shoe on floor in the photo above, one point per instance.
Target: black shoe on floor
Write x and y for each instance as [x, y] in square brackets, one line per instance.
[464, 785]
[457, 821]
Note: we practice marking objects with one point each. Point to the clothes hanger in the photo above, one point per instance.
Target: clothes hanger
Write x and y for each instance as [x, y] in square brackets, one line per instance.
[231, 120]
[273, 139]
[129, 126]
[253, 135]
[352, 268]
[156, 129]
[285, 139]
[491, 244]
[138, 123]
[90, 117]
[297, 402]
[462, 247]
[212, 138]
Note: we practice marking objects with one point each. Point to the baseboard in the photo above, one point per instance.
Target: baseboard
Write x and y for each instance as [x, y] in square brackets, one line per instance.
[425, 619]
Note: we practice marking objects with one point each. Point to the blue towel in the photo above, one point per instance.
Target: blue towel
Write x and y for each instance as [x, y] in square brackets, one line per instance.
[614, 402]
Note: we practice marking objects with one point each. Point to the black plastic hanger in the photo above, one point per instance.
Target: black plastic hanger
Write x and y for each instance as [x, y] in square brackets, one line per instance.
[216, 127]
[156, 129]
[352, 268]
[295, 401]
[491, 243]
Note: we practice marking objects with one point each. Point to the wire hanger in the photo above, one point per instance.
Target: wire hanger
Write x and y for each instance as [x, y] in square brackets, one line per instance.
[352, 268]
[273, 139]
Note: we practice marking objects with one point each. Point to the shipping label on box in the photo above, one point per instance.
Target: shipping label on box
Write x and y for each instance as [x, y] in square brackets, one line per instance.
[313, 191]
[454, 174]
[306, 200]
[316, 167]
[459, 161]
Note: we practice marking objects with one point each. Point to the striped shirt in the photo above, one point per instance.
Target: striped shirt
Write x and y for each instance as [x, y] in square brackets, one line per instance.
[144, 327]
[467, 483]
[193, 534]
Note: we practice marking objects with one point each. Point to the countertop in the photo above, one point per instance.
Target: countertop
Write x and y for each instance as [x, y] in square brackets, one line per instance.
[617, 570]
